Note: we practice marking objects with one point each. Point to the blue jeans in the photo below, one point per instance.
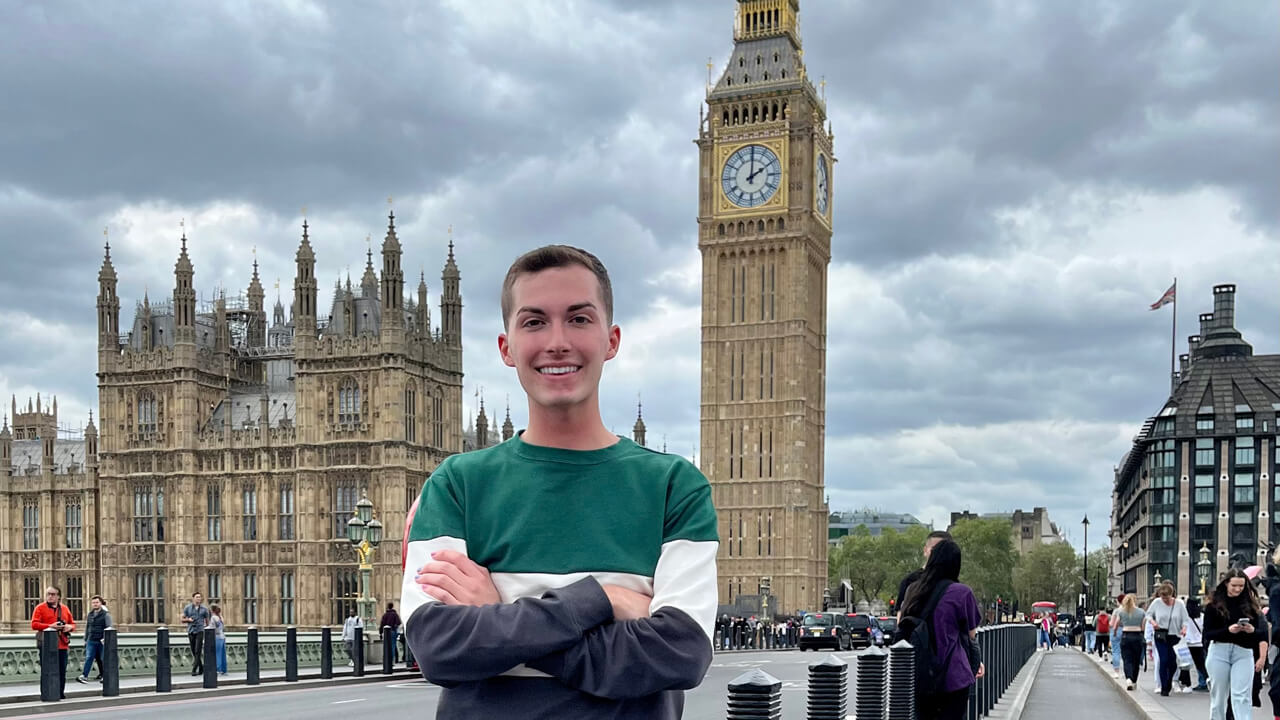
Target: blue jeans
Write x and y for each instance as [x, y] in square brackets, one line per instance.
[222, 653]
[92, 649]
[1115, 649]
[1090, 636]
[1168, 667]
[1044, 638]
[1230, 680]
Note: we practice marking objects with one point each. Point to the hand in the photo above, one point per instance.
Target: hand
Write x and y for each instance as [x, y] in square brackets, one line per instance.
[982, 670]
[627, 604]
[1262, 661]
[455, 579]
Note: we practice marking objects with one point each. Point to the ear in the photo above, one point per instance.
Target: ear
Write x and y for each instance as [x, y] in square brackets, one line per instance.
[504, 350]
[615, 342]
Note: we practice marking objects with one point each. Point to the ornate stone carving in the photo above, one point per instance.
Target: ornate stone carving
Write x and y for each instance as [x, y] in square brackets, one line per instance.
[72, 560]
[30, 561]
[213, 555]
[143, 555]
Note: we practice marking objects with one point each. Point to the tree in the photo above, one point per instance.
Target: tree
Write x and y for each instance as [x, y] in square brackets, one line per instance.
[1099, 570]
[988, 557]
[1048, 572]
[874, 565]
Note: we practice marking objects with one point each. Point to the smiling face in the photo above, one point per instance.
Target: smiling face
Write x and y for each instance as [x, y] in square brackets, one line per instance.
[559, 337]
[1235, 586]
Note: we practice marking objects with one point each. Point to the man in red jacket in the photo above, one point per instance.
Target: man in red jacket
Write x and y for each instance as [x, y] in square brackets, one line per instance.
[53, 614]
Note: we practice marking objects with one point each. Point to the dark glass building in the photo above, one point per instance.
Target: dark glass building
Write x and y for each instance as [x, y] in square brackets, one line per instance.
[1201, 472]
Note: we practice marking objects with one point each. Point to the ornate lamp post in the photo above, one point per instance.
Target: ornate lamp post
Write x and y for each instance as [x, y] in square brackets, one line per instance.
[1156, 579]
[765, 585]
[1202, 568]
[364, 531]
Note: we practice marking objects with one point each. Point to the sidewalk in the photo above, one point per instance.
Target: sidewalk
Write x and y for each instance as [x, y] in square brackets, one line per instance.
[1178, 706]
[30, 692]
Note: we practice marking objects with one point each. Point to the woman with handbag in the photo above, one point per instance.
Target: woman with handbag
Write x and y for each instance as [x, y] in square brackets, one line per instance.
[953, 624]
[1168, 617]
[1235, 629]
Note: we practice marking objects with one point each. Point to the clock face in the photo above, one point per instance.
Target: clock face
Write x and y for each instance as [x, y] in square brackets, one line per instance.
[751, 176]
[823, 185]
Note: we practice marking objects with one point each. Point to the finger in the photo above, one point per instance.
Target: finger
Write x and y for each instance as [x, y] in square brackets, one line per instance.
[445, 568]
[442, 581]
[440, 594]
[464, 563]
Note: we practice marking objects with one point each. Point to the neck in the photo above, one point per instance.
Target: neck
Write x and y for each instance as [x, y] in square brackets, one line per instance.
[575, 428]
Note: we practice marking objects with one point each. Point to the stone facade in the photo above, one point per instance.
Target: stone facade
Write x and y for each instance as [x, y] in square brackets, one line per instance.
[232, 450]
[1028, 528]
[764, 231]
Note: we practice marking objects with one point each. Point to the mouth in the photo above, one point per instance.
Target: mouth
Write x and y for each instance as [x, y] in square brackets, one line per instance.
[559, 370]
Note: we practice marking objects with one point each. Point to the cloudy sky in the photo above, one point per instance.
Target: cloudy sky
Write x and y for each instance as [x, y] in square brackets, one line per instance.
[1017, 182]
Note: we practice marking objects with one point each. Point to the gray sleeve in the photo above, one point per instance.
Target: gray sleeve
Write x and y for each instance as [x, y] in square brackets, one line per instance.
[459, 643]
[107, 622]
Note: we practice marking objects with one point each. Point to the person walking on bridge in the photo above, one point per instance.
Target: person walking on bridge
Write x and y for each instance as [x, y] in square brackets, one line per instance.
[1168, 616]
[1237, 632]
[1131, 621]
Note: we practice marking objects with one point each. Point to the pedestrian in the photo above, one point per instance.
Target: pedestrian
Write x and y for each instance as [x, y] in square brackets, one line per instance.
[196, 616]
[613, 609]
[1045, 624]
[1090, 633]
[1102, 632]
[349, 634]
[1116, 635]
[220, 638]
[95, 627]
[1195, 643]
[726, 631]
[53, 614]
[1235, 629]
[930, 540]
[1132, 623]
[391, 619]
[953, 628]
[1168, 616]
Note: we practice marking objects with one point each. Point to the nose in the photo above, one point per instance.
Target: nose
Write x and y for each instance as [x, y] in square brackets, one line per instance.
[558, 339]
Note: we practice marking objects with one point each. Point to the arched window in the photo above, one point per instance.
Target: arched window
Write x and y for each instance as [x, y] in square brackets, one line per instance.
[726, 118]
[760, 227]
[735, 116]
[146, 413]
[769, 226]
[411, 413]
[720, 230]
[437, 419]
[782, 224]
[348, 402]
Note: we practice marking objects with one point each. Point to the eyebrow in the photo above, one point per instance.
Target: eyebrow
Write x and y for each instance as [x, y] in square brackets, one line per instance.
[572, 308]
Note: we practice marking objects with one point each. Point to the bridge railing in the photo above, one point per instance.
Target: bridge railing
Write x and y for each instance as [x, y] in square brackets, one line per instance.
[143, 654]
[882, 682]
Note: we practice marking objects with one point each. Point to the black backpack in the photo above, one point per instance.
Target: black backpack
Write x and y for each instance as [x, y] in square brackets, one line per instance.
[931, 671]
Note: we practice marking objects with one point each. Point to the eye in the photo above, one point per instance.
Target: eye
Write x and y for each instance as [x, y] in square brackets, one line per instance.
[580, 320]
[531, 322]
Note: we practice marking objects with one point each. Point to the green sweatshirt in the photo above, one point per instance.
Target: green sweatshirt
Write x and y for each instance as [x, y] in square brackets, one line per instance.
[552, 526]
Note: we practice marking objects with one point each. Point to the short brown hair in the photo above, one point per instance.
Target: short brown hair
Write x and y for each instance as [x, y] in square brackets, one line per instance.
[556, 256]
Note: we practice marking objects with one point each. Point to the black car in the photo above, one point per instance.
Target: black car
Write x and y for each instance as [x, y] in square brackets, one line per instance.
[860, 626]
[889, 628]
[823, 630]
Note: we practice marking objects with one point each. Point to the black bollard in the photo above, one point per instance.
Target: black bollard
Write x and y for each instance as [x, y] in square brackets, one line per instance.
[902, 681]
[357, 645]
[164, 676]
[755, 695]
[872, 680]
[251, 657]
[326, 653]
[110, 663]
[828, 688]
[209, 658]
[388, 650]
[291, 654]
[50, 679]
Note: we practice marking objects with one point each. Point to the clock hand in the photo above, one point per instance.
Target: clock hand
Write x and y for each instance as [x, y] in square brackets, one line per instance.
[752, 176]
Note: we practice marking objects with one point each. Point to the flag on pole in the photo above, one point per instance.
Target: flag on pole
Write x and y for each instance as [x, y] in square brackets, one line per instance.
[1166, 298]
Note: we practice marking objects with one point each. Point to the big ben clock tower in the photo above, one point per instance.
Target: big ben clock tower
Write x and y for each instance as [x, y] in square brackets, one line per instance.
[764, 229]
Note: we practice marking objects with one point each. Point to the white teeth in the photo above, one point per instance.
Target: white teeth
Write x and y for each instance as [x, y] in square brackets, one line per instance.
[557, 370]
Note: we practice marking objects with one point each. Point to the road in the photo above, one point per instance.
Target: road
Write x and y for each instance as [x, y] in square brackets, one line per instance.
[417, 699]
[1067, 679]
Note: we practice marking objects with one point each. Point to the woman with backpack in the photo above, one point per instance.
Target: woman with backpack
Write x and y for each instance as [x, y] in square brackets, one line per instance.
[938, 608]
[1102, 635]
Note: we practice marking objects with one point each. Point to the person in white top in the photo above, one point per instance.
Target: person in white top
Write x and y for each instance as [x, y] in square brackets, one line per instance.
[349, 635]
[1167, 616]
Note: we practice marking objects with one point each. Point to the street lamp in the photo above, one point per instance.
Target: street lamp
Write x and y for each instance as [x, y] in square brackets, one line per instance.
[1156, 580]
[1084, 582]
[1202, 568]
[364, 531]
[1124, 579]
[765, 584]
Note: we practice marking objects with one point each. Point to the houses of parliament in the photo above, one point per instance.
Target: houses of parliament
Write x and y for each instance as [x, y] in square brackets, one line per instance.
[231, 447]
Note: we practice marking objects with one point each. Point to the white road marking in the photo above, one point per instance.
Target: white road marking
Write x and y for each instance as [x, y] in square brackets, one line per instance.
[341, 702]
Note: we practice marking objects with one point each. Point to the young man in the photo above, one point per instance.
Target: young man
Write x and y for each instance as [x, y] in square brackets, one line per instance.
[53, 614]
[95, 625]
[567, 572]
[196, 616]
[349, 626]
